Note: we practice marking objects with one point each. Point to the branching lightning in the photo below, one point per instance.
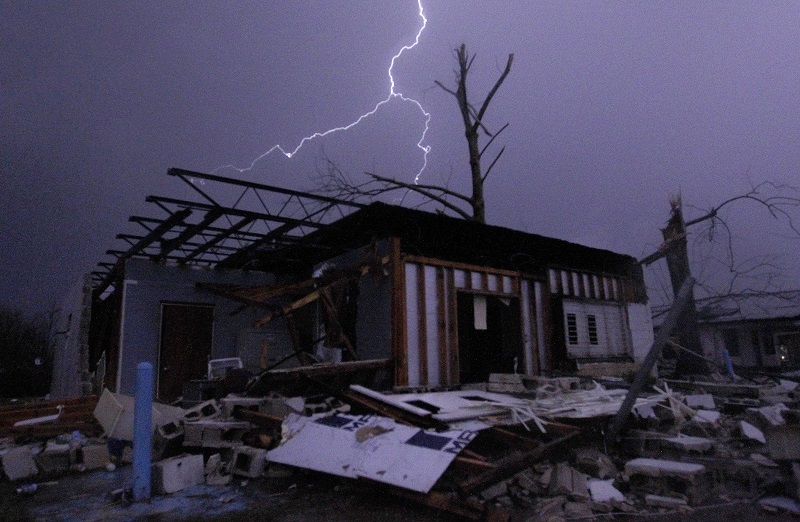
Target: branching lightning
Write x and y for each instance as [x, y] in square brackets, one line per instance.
[392, 95]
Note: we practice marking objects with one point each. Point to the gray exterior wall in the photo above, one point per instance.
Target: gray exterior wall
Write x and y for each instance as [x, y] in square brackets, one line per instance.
[147, 285]
[374, 315]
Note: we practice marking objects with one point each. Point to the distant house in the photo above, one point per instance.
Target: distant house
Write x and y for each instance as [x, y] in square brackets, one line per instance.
[759, 330]
[293, 279]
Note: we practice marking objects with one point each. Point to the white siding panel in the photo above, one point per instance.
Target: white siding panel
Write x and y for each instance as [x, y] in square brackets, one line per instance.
[641, 329]
[460, 278]
[494, 284]
[431, 326]
[412, 321]
[539, 291]
[527, 331]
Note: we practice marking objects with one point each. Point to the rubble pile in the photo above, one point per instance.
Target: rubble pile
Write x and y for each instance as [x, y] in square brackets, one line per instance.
[533, 448]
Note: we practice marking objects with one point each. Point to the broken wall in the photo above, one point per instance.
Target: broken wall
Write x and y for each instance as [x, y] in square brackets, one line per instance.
[374, 301]
[147, 285]
[69, 339]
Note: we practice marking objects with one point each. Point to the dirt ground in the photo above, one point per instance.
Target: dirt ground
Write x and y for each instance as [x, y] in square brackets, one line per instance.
[300, 497]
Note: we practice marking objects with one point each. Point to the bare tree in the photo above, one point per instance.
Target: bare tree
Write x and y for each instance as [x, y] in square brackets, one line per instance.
[339, 183]
[778, 200]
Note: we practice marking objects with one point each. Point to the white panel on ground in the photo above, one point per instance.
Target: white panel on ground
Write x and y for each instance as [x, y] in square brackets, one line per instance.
[371, 447]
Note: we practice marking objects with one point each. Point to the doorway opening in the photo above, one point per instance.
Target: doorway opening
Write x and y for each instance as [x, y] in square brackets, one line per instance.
[489, 336]
[186, 338]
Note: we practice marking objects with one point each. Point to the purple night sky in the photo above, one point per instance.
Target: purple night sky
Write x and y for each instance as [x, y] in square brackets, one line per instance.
[613, 107]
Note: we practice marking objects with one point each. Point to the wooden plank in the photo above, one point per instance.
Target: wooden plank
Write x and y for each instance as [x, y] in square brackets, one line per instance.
[422, 325]
[441, 327]
[399, 326]
[452, 328]
[262, 420]
[512, 464]
[547, 319]
[581, 286]
[570, 284]
[559, 282]
[461, 266]
[392, 412]
[442, 501]
[534, 330]
[485, 281]
[602, 288]
[682, 299]
[510, 438]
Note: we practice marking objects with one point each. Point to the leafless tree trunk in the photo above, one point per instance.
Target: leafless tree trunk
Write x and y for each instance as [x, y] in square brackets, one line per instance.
[337, 182]
[778, 200]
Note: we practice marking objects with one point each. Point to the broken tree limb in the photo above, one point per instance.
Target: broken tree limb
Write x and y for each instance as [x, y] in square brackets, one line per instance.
[681, 300]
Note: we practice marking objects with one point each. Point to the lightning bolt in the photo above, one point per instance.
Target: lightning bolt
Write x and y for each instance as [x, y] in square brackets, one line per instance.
[392, 95]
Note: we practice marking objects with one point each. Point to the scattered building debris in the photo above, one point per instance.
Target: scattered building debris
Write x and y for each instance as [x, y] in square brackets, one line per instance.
[535, 448]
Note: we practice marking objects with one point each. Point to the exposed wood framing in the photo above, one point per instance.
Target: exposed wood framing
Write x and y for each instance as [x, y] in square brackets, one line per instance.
[399, 327]
[547, 313]
[422, 328]
[441, 326]
[464, 266]
[314, 295]
[452, 327]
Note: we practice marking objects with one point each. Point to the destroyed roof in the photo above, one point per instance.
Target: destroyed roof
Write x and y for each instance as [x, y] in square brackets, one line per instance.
[451, 239]
[749, 306]
[242, 224]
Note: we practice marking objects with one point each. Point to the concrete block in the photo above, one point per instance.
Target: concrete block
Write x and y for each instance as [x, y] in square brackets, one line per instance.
[663, 468]
[682, 478]
[54, 459]
[229, 404]
[18, 463]
[704, 401]
[193, 434]
[177, 473]
[506, 383]
[217, 471]
[94, 456]
[204, 410]
[689, 444]
[248, 461]
[219, 434]
[167, 440]
[215, 433]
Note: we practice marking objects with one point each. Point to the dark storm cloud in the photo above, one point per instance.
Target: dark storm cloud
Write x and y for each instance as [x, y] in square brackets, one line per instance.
[613, 107]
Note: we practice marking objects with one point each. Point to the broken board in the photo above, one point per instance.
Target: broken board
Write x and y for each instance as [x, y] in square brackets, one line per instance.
[369, 446]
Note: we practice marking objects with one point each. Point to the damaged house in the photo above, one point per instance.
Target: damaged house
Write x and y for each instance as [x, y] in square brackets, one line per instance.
[759, 330]
[282, 280]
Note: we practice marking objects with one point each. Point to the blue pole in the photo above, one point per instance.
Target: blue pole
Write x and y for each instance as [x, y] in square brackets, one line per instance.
[726, 356]
[142, 431]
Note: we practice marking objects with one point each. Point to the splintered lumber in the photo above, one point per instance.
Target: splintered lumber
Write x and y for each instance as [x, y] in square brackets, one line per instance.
[262, 420]
[512, 464]
[681, 300]
[76, 414]
[442, 501]
[392, 412]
